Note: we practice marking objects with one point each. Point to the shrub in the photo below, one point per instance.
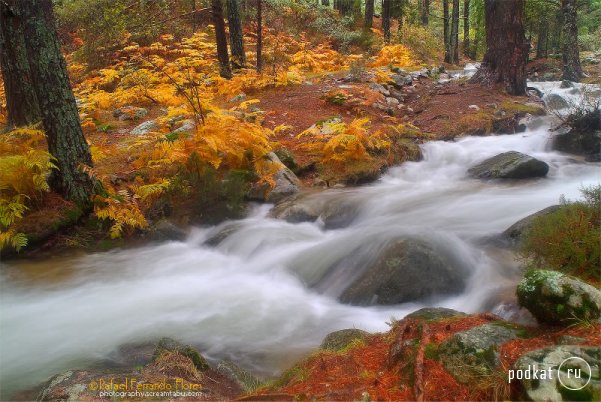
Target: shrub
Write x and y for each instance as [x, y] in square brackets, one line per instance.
[421, 41]
[567, 240]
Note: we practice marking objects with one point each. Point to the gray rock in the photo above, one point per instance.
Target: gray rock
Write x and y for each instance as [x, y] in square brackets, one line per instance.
[379, 88]
[577, 141]
[187, 126]
[558, 299]
[509, 165]
[566, 84]
[130, 113]
[555, 102]
[474, 107]
[238, 98]
[434, 314]
[558, 385]
[392, 101]
[145, 128]
[472, 354]
[334, 214]
[165, 230]
[244, 378]
[221, 232]
[516, 232]
[286, 183]
[401, 80]
[339, 340]
[405, 270]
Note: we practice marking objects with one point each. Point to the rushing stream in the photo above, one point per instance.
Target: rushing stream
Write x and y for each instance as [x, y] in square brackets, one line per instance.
[247, 299]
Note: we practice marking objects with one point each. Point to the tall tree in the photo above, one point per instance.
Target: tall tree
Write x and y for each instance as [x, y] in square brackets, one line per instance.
[445, 32]
[466, 29]
[220, 39]
[369, 14]
[542, 38]
[236, 36]
[425, 11]
[259, 35]
[507, 49]
[60, 117]
[21, 101]
[386, 11]
[454, 38]
[571, 55]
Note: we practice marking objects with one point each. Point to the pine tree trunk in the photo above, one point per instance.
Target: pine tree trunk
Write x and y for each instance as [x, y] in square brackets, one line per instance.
[236, 36]
[454, 39]
[507, 54]
[425, 12]
[466, 29]
[220, 39]
[369, 14]
[543, 34]
[445, 33]
[21, 101]
[259, 35]
[60, 117]
[386, 19]
[571, 55]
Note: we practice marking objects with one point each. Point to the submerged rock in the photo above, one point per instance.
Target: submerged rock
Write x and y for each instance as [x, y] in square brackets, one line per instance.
[472, 354]
[405, 270]
[553, 384]
[339, 340]
[555, 298]
[334, 214]
[509, 165]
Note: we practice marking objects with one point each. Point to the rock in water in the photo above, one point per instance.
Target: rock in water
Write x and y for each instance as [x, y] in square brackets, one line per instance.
[286, 183]
[555, 102]
[547, 386]
[555, 298]
[509, 165]
[405, 270]
[472, 354]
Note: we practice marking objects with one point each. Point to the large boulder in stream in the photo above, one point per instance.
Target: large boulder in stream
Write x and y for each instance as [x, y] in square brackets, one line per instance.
[405, 270]
[509, 165]
[558, 299]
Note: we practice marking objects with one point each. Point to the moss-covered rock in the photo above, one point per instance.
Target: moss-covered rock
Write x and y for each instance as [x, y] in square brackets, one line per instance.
[473, 354]
[340, 340]
[509, 165]
[171, 345]
[435, 314]
[573, 385]
[558, 299]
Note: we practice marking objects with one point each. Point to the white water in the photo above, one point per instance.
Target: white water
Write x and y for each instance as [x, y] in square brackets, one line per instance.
[246, 299]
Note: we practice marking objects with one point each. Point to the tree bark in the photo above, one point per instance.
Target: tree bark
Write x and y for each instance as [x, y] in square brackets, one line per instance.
[386, 19]
[259, 35]
[21, 101]
[466, 29]
[221, 39]
[236, 36]
[66, 142]
[572, 69]
[369, 14]
[454, 39]
[425, 12]
[507, 54]
[543, 38]
[445, 33]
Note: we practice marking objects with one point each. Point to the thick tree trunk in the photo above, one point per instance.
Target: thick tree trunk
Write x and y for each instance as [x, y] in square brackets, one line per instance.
[386, 19]
[236, 36]
[571, 55]
[369, 14]
[259, 35]
[66, 141]
[454, 39]
[425, 11]
[507, 54]
[21, 101]
[543, 38]
[466, 29]
[445, 33]
[220, 39]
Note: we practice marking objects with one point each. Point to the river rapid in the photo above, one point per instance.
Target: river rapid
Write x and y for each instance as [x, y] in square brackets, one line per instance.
[247, 298]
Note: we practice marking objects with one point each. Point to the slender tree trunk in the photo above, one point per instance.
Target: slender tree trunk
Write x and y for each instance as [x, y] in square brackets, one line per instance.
[386, 19]
[425, 11]
[466, 29]
[21, 101]
[454, 39]
[236, 36]
[60, 117]
[445, 34]
[543, 34]
[221, 39]
[259, 35]
[507, 54]
[571, 54]
[369, 14]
